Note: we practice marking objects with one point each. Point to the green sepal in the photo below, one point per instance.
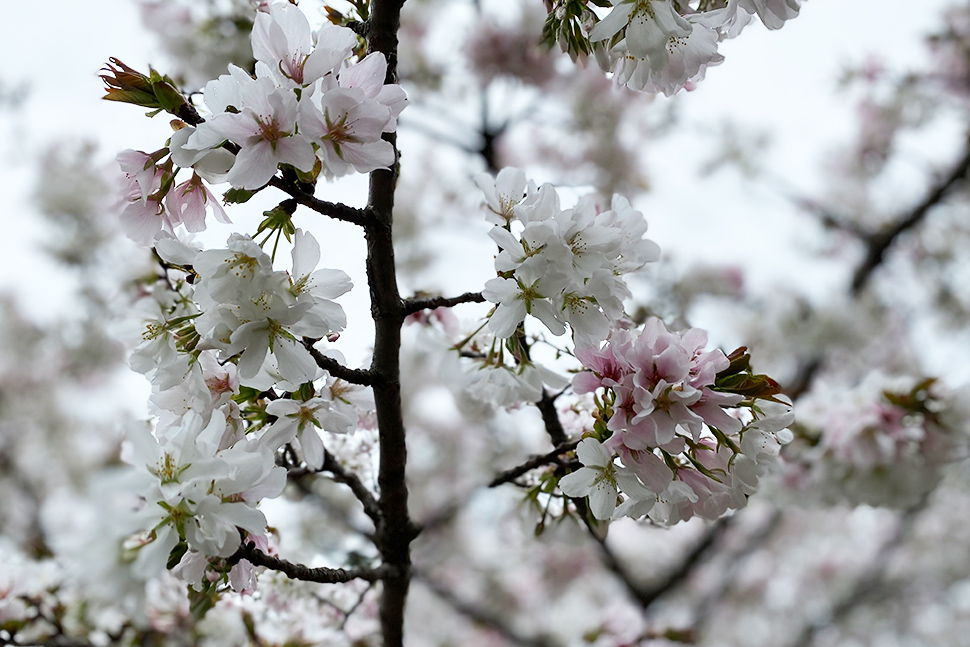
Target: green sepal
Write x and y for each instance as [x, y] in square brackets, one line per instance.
[200, 602]
[246, 394]
[306, 391]
[237, 196]
[176, 555]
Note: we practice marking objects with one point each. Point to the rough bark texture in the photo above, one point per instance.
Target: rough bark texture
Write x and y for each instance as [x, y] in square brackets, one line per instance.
[396, 530]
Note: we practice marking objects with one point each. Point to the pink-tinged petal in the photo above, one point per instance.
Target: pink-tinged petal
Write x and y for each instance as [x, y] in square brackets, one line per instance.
[294, 361]
[239, 127]
[217, 209]
[312, 446]
[612, 23]
[330, 284]
[296, 152]
[602, 499]
[254, 166]
[591, 452]
[367, 75]
[650, 468]
[506, 318]
[672, 364]
[579, 483]
[547, 314]
[586, 382]
[394, 97]
[142, 221]
[269, 487]
[305, 254]
[368, 157]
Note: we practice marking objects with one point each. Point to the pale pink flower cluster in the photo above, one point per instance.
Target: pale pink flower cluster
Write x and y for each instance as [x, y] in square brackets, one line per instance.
[308, 108]
[663, 46]
[676, 445]
[303, 105]
[239, 323]
[562, 266]
[879, 442]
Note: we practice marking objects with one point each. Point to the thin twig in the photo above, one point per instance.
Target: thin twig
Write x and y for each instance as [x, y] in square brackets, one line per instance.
[756, 540]
[334, 210]
[687, 565]
[342, 475]
[321, 575]
[480, 616]
[878, 243]
[417, 305]
[536, 461]
[359, 376]
[550, 418]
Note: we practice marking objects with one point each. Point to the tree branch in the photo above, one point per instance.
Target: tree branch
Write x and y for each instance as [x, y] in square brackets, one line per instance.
[417, 305]
[878, 243]
[359, 376]
[688, 564]
[343, 475]
[334, 210]
[396, 531]
[480, 616]
[322, 575]
[536, 461]
[550, 418]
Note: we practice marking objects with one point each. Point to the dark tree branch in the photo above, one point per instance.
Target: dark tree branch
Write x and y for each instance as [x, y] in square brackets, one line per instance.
[417, 305]
[480, 616]
[359, 376]
[550, 418]
[396, 531]
[878, 243]
[334, 210]
[802, 381]
[688, 564]
[341, 474]
[249, 552]
[534, 462]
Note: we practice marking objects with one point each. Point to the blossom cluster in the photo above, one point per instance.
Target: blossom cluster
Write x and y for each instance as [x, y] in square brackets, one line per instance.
[682, 431]
[232, 345]
[309, 109]
[663, 46]
[211, 347]
[883, 442]
[562, 266]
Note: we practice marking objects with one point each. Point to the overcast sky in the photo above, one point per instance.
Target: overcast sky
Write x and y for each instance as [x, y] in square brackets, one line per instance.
[782, 83]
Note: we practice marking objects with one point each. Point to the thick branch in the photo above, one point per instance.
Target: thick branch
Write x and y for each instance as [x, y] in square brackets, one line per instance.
[879, 243]
[395, 533]
[334, 210]
[338, 370]
[322, 575]
[534, 462]
[417, 305]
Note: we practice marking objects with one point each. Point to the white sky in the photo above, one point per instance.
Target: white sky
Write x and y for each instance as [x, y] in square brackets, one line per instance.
[777, 82]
